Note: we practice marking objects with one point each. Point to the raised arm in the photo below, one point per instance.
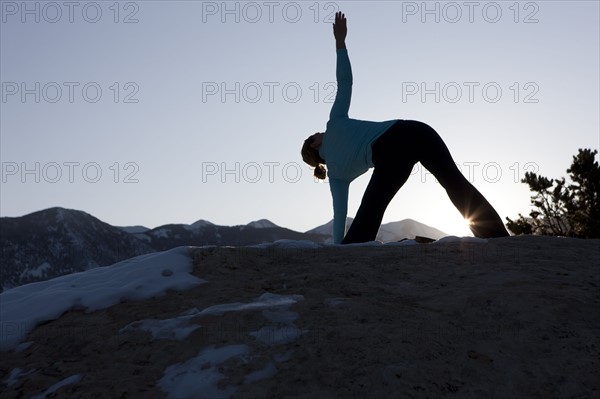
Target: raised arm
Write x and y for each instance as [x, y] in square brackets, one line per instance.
[343, 70]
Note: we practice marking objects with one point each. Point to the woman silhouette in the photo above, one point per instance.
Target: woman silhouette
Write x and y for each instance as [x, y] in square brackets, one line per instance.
[349, 147]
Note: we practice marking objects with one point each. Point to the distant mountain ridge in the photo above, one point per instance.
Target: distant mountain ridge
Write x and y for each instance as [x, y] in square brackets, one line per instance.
[57, 241]
[393, 231]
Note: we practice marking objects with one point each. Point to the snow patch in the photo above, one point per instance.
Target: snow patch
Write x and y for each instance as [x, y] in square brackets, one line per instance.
[138, 278]
[67, 381]
[283, 331]
[180, 327]
[200, 374]
[176, 329]
[276, 335]
[15, 374]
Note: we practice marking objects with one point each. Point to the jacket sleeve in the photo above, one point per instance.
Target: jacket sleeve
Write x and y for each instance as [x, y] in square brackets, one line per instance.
[343, 74]
[339, 193]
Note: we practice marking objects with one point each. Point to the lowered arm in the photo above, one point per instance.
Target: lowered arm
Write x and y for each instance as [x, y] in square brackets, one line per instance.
[339, 193]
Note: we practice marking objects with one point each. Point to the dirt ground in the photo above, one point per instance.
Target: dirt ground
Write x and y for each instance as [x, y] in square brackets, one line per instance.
[511, 317]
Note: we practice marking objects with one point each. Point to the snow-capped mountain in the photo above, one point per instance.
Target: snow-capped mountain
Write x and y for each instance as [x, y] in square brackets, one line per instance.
[407, 228]
[261, 224]
[393, 231]
[200, 223]
[143, 229]
[262, 231]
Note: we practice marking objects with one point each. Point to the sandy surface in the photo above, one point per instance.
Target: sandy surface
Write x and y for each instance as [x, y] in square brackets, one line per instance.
[513, 317]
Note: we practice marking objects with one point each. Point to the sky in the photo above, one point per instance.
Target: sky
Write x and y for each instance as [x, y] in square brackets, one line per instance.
[156, 112]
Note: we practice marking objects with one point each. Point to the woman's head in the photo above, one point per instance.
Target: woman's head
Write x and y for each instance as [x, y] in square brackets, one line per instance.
[310, 154]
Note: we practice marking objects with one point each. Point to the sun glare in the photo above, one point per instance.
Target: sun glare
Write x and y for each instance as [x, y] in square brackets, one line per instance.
[457, 227]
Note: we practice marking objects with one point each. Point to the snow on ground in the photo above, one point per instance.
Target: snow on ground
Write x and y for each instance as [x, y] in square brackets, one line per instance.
[15, 374]
[24, 307]
[201, 373]
[379, 316]
[180, 327]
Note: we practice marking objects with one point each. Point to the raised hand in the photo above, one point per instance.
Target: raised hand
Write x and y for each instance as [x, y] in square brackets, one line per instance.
[339, 27]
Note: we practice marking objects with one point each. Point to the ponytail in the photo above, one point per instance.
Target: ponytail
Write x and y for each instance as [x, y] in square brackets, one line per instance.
[320, 172]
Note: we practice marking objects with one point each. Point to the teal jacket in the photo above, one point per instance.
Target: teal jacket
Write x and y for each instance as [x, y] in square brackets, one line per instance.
[346, 146]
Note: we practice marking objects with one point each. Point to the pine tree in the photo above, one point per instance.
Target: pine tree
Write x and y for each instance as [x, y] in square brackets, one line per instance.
[560, 209]
[583, 206]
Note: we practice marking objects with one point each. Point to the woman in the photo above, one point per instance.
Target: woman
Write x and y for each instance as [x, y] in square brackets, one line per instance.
[349, 147]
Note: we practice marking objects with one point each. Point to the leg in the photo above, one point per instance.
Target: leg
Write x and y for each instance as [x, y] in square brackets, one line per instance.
[435, 157]
[380, 191]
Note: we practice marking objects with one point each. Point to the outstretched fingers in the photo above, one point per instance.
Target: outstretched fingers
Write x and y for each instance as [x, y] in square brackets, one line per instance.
[339, 26]
[340, 18]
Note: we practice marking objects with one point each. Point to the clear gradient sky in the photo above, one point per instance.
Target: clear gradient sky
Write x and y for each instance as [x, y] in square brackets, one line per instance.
[136, 119]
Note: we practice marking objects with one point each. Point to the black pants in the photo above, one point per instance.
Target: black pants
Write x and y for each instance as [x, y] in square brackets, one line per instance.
[394, 154]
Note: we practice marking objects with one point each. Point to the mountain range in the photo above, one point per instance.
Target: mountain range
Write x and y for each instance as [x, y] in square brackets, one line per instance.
[57, 241]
